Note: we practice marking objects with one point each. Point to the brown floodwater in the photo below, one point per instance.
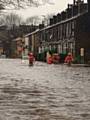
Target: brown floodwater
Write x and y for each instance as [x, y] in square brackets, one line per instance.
[43, 92]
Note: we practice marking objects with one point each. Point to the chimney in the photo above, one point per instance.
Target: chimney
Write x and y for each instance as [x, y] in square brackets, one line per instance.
[55, 19]
[58, 17]
[41, 26]
[79, 5]
[63, 15]
[75, 10]
[69, 11]
[74, 1]
[51, 21]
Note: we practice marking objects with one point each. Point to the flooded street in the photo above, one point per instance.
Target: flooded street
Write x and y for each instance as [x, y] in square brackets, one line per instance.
[43, 92]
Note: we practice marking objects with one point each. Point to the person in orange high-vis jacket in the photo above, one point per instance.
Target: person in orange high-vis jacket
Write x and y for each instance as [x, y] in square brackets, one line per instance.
[69, 59]
[56, 58]
[49, 58]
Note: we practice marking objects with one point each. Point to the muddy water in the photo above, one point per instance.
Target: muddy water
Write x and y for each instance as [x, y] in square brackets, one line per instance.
[43, 92]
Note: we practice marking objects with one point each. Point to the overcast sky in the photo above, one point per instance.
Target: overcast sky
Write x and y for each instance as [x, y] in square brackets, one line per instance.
[46, 9]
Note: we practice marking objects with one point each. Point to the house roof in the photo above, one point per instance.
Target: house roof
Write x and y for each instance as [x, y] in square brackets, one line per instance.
[31, 33]
[17, 39]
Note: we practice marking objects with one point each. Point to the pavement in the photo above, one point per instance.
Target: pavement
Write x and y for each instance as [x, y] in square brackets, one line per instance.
[81, 65]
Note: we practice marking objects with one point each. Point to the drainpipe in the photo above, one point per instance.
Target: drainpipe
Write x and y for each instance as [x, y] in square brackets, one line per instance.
[88, 1]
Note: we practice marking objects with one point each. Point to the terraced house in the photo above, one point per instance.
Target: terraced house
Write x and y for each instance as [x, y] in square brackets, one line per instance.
[68, 31]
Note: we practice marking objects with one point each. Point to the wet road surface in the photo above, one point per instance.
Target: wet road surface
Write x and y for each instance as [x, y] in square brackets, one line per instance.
[43, 92]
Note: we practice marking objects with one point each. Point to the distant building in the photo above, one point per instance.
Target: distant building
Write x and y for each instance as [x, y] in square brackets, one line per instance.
[7, 35]
[16, 48]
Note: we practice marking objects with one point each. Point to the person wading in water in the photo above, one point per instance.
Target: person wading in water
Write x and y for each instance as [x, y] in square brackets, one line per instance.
[31, 59]
[69, 59]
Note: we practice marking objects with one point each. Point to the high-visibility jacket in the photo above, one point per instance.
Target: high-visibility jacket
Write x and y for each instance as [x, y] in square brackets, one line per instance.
[31, 57]
[68, 59]
[49, 60]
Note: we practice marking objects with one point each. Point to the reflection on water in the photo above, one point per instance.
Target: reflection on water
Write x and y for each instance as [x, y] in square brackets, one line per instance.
[43, 92]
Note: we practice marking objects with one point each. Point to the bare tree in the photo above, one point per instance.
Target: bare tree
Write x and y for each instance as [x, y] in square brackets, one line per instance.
[10, 20]
[33, 20]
